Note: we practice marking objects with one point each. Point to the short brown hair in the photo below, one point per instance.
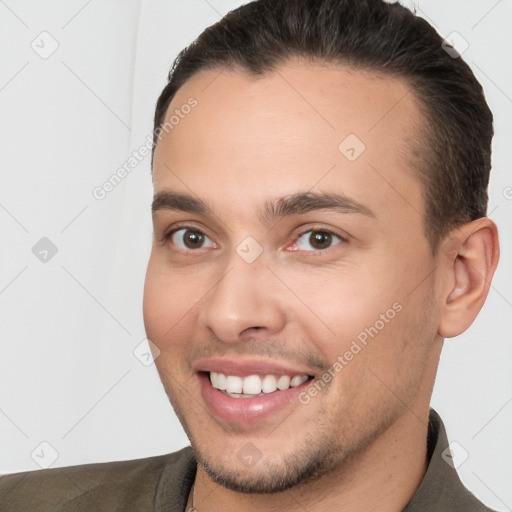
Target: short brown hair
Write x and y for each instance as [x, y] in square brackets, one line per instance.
[375, 35]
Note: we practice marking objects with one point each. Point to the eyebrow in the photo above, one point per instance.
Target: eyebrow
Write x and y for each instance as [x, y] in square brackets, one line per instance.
[179, 202]
[301, 203]
[294, 204]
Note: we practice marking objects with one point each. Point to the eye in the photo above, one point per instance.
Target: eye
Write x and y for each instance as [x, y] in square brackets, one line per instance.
[189, 239]
[316, 240]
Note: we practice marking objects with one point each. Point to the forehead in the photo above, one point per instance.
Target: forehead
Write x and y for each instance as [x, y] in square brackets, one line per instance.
[303, 126]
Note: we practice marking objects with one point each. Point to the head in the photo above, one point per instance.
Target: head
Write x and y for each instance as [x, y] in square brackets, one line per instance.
[319, 213]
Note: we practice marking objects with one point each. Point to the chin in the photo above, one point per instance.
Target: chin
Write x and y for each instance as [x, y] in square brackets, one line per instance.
[268, 474]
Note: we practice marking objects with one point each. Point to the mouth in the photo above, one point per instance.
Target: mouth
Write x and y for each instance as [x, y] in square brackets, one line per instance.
[248, 392]
[252, 386]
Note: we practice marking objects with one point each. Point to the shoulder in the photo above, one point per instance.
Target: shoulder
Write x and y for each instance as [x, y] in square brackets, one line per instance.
[121, 485]
[441, 488]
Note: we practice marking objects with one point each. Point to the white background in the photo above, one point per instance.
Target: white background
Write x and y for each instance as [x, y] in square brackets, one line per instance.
[68, 375]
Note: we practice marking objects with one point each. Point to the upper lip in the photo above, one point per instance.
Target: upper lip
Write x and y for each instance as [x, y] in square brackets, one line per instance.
[245, 367]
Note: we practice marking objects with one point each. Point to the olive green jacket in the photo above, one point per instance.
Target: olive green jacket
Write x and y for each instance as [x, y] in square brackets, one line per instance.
[162, 484]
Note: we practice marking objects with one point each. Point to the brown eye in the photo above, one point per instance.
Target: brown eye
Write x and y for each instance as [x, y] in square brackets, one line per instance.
[320, 239]
[193, 239]
[316, 240]
[190, 239]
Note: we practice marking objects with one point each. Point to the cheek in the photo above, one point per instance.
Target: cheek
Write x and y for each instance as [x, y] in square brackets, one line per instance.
[378, 352]
[343, 305]
[169, 298]
[368, 310]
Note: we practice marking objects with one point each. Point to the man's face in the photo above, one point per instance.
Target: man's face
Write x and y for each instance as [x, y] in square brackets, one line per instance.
[278, 253]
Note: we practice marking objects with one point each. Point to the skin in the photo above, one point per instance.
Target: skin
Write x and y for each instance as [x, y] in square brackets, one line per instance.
[361, 440]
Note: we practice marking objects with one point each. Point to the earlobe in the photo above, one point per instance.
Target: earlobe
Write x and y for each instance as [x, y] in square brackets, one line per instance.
[470, 257]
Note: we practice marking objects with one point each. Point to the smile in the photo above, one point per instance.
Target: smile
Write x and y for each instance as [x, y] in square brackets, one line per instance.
[254, 385]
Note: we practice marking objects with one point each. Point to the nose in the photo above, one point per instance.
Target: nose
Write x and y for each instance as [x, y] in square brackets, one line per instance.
[245, 301]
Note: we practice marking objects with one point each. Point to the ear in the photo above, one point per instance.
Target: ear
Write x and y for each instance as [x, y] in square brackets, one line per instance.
[469, 256]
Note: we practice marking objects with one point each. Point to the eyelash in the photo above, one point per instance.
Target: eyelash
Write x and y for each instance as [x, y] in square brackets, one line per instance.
[319, 229]
[343, 239]
[167, 237]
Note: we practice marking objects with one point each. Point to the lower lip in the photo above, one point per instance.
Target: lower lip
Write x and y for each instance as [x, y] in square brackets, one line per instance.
[247, 410]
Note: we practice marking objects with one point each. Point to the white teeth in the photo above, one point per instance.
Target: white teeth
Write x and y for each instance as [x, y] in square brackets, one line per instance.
[297, 381]
[233, 384]
[283, 382]
[221, 381]
[254, 385]
[268, 384]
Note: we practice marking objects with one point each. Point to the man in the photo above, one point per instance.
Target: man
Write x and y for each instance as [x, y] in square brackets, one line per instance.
[320, 172]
